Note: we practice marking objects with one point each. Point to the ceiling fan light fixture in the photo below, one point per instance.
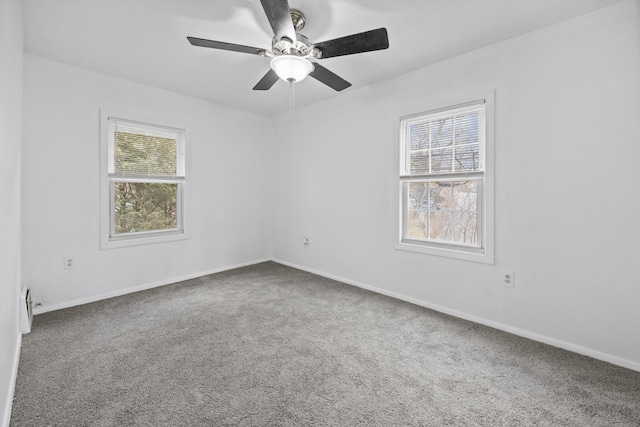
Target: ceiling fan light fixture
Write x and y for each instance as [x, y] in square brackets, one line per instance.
[291, 68]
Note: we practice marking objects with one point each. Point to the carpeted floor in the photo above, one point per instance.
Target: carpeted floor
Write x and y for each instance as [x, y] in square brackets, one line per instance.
[270, 345]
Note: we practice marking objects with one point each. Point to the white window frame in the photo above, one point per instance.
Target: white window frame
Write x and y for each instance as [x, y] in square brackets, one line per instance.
[484, 252]
[108, 239]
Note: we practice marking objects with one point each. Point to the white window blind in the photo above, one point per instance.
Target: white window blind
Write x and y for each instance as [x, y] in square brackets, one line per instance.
[443, 143]
[140, 150]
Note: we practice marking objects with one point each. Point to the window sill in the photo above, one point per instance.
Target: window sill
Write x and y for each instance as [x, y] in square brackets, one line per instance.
[141, 240]
[485, 257]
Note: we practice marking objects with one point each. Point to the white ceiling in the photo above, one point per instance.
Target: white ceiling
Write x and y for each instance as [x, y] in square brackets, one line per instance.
[145, 40]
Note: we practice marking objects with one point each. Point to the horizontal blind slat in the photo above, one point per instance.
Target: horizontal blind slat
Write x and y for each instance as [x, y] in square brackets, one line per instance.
[144, 150]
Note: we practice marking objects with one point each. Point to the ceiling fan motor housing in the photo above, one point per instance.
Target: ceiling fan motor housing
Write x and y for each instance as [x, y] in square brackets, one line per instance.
[301, 47]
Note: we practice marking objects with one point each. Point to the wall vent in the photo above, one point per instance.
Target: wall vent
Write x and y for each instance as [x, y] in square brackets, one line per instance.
[26, 311]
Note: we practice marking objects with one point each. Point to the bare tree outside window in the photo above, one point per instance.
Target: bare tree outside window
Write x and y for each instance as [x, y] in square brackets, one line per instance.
[443, 211]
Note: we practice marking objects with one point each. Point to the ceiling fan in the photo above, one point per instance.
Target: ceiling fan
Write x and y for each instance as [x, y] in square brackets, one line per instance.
[291, 51]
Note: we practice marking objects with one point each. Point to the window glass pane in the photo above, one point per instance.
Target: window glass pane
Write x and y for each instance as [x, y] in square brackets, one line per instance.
[420, 161]
[139, 154]
[145, 207]
[440, 225]
[417, 225]
[466, 158]
[419, 148]
[419, 136]
[442, 160]
[465, 196]
[465, 229]
[442, 133]
[445, 143]
[467, 128]
[444, 211]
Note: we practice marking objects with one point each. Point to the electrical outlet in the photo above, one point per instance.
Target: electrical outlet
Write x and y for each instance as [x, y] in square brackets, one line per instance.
[509, 280]
[305, 241]
[69, 263]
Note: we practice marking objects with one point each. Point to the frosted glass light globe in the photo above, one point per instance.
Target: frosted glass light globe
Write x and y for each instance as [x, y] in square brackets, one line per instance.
[291, 68]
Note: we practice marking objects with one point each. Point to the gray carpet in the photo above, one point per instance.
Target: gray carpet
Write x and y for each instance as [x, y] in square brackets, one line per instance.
[270, 345]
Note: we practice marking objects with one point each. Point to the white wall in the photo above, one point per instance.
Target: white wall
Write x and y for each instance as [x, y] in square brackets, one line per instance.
[10, 143]
[567, 205]
[227, 151]
[567, 102]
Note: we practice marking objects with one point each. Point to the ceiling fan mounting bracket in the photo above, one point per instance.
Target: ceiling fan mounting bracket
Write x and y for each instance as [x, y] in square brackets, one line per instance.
[298, 19]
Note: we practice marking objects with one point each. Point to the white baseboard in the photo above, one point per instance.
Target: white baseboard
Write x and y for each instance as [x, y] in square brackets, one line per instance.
[107, 295]
[6, 418]
[496, 325]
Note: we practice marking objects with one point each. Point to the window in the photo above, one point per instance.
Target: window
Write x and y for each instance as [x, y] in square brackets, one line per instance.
[143, 182]
[445, 187]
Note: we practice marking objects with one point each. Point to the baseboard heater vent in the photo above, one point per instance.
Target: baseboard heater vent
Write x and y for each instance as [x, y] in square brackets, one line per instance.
[26, 311]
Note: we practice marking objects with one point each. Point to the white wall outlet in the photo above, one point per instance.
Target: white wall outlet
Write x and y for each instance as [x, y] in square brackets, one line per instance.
[69, 263]
[509, 280]
[305, 241]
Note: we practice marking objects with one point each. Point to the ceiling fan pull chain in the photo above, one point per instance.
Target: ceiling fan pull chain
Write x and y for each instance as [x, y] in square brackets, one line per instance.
[291, 93]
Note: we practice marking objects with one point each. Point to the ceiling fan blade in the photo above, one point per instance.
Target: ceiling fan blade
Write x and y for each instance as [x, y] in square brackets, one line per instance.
[267, 81]
[279, 16]
[329, 78]
[356, 43]
[225, 46]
